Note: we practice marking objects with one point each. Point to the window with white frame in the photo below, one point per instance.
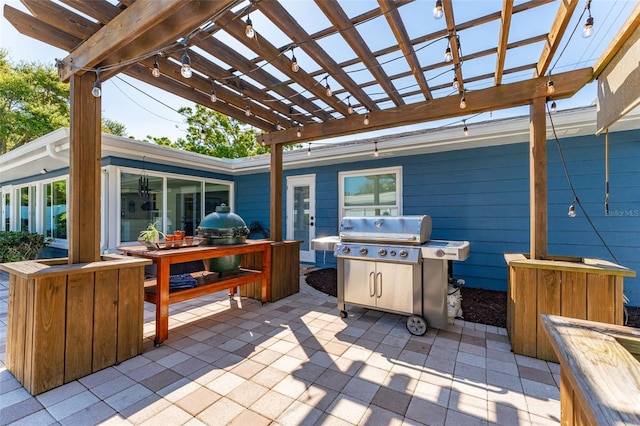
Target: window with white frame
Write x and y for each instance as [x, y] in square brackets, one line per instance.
[373, 192]
[55, 209]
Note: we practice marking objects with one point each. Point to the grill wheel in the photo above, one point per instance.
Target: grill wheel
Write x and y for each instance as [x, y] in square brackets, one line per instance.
[416, 325]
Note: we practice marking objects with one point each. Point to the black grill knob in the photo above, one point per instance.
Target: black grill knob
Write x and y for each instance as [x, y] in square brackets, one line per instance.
[364, 251]
[392, 252]
[403, 254]
[382, 252]
[346, 249]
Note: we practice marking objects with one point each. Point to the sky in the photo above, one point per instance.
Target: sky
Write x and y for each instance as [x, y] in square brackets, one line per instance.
[147, 111]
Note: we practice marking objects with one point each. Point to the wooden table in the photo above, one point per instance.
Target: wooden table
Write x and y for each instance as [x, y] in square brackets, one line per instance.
[157, 290]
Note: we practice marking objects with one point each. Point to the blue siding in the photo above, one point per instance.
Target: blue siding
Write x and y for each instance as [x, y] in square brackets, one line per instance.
[482, 195]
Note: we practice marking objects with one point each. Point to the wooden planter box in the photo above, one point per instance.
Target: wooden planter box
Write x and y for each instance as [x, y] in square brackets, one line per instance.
[67, 321]
[589, 289]
[285, 271]
[599, 371]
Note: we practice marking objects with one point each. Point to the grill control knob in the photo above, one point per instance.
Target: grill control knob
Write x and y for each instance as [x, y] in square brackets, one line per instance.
[440, 253]
[403, 254]
[346, 249]
[382, 252]
[364, 251]
[392, 252]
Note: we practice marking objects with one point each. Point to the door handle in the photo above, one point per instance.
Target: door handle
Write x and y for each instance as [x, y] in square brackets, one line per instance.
[379, 293]
[372, 284]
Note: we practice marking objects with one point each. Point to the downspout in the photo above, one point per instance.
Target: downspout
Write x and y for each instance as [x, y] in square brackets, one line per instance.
[53, 153]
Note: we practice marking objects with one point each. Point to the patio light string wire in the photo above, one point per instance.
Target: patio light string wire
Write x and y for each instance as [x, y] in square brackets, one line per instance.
[573, 191]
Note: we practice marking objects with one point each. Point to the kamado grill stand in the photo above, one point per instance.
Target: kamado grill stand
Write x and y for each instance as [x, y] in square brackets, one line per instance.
[390, 264]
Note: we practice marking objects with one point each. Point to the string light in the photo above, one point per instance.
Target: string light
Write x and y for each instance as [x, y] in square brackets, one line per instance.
[156, 68]
[327, 88]
[186, 62]
[550, 87]
[463, 102]
[375, 150]
[553, 106]
[349, 107]
[588, 26]
[279, 126]
[299, 134]
[572, 211]
[247, 111]
[309, 150]
[249, 32]
[97, 86]
[366, 119]
[448, 56]
[437, 10]
[294, 62]
[456, 83]
[214, 97]
[465, 129]
[262, 142]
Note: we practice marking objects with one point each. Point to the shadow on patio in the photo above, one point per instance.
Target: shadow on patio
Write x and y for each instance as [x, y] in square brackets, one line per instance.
[295, 361]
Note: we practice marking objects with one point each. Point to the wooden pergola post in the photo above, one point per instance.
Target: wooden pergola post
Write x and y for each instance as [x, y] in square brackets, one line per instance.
[84, 171]
[276, 193]
[538, 179]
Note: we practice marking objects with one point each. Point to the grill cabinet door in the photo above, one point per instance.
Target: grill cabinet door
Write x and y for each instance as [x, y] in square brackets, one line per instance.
[394, 287]
[359, 286]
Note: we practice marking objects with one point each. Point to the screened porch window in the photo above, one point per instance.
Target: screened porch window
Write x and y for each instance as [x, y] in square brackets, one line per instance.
[371, 192]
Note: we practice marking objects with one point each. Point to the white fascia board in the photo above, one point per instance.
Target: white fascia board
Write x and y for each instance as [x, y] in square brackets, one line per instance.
[34, 150]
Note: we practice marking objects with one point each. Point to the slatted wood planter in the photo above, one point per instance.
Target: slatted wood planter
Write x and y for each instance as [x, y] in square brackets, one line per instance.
[285, 271]
[67, 321]
[582, 288]
[599, 370]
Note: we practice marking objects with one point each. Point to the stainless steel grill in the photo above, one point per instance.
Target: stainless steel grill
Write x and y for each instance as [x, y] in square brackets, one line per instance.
[390, 264]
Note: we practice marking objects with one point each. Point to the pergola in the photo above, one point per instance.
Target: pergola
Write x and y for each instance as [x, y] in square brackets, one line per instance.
[255, 80]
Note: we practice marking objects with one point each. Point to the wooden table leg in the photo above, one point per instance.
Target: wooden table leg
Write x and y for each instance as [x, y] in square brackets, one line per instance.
[162, 301]
[266, 272]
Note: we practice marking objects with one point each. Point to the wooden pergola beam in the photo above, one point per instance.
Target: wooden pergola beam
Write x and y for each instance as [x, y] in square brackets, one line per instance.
[454, 43]
[503, 40]
[285, 22]
[140, 29]
[390, 10]
[341, 21]
[565, 11]
[490, 99]
[627, 29]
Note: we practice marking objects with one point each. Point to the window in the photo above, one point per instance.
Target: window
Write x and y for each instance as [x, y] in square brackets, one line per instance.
[55, 209]
[373, 192]
[6, 211]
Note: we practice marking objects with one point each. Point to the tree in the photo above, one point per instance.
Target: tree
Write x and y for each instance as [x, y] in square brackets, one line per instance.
[212, 133]
[33, 102]
[113, 127]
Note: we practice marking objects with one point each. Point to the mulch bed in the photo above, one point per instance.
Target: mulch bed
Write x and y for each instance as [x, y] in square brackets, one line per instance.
[478, 305]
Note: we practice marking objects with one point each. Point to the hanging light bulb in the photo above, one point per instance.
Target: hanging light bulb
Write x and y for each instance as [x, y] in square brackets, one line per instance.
[262, 142]
[309, 150]
[366, 119]
[279, 126]
[448, 56]
[186, 63]
[588, 26]
[156, 68]
[465, 129]
[553, 106]
[437, 10]
[463, 102]
[247, 111]
[375, 150]
[572, 211]
[550, 87]
[214, 97]
[299, 134]
[327, 89]
[97, 86]
[456, 83]
[249, 32]
[349, 107]
[203, 134]
[294, 62]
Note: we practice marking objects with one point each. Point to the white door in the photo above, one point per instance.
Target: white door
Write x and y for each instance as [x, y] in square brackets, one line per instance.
[301, 213]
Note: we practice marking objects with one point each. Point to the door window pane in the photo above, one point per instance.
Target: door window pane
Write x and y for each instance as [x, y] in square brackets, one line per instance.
[55, 214]
[183, 205]
[139, 207]
[7, 212]
[24, 209]
[301, 216]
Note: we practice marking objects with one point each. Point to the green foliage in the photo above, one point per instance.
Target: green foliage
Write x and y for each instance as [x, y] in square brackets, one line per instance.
[21, 245]
[214, 134]
[113, 127]
[151, 234]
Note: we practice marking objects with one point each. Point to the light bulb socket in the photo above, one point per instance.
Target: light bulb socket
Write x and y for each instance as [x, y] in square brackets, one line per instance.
[553, 106]
[366, 119]
[247, 111]
[463, 102]
[456, 83]
[588, 27]
[550, 87]
[156, 69]
[572, 211]
[97, 89]
[186, 66]
[465, 130]
[249, 31]
[214, 96]
[328, 90]
[448, 56]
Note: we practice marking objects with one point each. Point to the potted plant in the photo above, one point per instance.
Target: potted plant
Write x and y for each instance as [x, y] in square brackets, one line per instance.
[150, 237]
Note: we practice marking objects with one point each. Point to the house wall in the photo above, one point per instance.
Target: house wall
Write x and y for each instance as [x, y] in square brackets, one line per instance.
[482, 195]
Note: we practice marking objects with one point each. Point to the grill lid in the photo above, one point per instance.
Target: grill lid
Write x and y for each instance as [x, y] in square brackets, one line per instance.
[413, 230]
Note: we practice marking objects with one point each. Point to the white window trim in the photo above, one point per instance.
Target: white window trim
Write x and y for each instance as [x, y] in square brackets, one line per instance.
[384, 170]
